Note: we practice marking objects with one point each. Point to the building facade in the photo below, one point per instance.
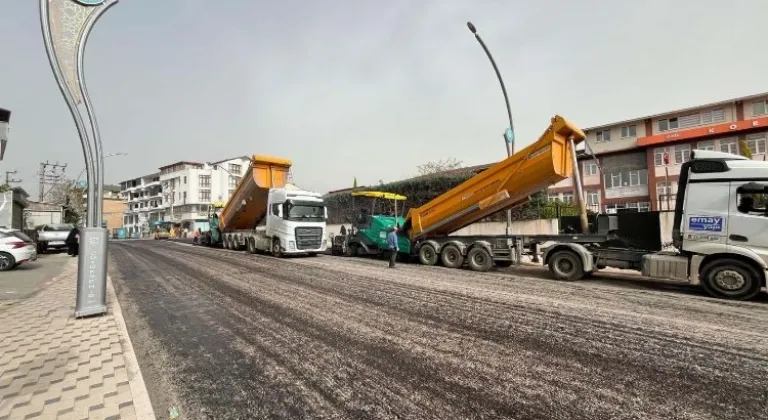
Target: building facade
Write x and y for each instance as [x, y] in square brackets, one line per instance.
[180, 193]
[638, 161]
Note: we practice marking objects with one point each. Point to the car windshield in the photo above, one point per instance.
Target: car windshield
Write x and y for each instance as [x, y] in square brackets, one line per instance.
[57, 228]
[303, 211]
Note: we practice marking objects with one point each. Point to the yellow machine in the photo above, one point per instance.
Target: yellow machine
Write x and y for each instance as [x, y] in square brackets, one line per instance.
[506, 184]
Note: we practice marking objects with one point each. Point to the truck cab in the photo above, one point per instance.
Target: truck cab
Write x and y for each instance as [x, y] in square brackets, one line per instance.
[295, 222]
[719, 232]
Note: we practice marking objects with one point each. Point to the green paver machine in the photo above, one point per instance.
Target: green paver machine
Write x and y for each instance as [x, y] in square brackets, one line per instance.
[367, 234]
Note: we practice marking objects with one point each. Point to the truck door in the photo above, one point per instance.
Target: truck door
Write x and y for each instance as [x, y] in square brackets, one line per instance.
[747, 221]
[705, 219]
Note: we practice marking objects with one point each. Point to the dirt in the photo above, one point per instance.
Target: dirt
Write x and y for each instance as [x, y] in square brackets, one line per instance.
[223, 334]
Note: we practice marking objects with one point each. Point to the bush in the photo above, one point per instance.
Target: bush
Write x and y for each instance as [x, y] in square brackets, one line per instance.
[421, 190]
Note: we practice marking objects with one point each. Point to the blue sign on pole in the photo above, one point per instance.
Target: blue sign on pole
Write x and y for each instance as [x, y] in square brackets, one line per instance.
[510, 135]
[82, 184]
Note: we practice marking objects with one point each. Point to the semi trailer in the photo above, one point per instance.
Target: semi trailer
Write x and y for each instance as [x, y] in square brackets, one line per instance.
[720, 229]
[268, 214]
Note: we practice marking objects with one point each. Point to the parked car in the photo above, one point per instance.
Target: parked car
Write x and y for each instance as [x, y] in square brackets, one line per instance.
[52, 236]
[15, 248]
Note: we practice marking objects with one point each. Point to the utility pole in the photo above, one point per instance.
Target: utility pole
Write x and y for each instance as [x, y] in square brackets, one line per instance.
[52, 174]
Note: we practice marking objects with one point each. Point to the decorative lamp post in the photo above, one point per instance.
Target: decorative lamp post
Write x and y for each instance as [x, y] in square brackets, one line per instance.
[66, 25]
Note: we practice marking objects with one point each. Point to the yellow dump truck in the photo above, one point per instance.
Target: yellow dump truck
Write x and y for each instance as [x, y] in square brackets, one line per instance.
[504, 185]
[266, 213]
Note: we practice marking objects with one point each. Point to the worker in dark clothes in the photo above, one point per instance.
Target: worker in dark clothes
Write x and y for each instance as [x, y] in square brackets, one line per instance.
[72, 242]
[392, 246]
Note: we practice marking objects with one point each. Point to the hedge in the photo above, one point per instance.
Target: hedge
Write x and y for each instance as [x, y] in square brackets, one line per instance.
[421, 190]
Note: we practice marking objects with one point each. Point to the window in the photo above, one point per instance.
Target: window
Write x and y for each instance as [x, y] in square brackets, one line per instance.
[682, 154]
[233, 181]
[628, 207]
[663, 188]
[658, 156]
[185, 180]
[628, 178]
[629, 131]
[276, 209]
[205, 180]
[713, 116]
[568, 197]
[706, 145]
[668, 124]
[604, 135]
[553, 197]
[593, 198]
[590, 168]
[205, 196]
[756, 143]
[729, 146]
[760, 108]
[185, 196]
[752, 199]
[235, 169]
[230, 192]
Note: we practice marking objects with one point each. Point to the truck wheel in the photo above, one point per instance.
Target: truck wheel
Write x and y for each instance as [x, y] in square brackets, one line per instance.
[451, 257]
[251, 246]
[730, 279]
[566, 265]
[350, 250]
[428, 255]
[276, 251]
[479, 259]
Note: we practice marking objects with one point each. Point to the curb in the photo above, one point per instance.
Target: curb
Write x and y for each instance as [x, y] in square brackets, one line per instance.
[141, 402]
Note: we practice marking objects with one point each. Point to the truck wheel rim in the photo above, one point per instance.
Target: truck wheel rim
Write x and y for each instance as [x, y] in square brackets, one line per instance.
[564, 266]
[730, 280]
[479, 258]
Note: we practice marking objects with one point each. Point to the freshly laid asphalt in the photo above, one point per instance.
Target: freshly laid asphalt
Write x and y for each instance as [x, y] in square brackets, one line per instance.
[227, 335]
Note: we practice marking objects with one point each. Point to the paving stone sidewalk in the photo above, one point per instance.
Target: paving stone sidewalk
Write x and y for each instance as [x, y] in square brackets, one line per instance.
[53, 366]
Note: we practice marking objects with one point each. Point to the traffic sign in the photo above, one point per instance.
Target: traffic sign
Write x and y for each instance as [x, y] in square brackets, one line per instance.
[82, 184]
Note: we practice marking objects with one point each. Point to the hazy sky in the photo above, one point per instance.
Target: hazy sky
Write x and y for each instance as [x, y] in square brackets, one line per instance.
[366, 88]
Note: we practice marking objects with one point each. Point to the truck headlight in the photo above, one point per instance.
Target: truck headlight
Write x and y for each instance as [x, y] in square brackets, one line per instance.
[291, 245]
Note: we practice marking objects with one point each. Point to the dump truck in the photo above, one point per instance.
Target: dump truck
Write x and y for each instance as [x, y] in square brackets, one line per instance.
[268, 214]
[720, 228]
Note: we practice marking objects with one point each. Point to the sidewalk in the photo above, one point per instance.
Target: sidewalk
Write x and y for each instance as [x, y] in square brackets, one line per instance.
[53, 366]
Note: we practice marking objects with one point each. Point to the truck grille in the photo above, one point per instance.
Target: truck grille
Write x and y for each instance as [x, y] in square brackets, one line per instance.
[309, 237]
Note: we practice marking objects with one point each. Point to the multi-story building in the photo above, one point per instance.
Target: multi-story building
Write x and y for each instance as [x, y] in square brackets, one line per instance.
[638, 160]
[181, 193]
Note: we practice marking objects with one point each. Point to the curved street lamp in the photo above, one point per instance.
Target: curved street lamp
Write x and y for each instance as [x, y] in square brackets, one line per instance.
[509, 135]
[107, 156]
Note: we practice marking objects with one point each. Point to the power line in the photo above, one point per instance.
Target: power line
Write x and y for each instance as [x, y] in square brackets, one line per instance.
[51, 174]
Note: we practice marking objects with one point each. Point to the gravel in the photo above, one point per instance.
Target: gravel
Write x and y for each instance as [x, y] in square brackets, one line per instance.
[222, 334]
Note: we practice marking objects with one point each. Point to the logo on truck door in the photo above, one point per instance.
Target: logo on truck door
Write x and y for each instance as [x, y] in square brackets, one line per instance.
[705, 223]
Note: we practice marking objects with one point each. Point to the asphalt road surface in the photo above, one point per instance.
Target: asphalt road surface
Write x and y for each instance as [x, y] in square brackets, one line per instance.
[227, 335]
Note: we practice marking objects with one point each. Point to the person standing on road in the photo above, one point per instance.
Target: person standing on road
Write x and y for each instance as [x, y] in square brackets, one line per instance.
[72, 242]
[392, 245]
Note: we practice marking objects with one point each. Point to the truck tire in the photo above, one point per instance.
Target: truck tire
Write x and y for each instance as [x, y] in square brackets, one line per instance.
[729, 278]
[428, 255]
[566, 265]
[451, 256]
[479, 259]
[276, 251]
[251, 246]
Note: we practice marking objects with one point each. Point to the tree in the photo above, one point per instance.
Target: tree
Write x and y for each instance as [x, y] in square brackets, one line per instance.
[71, 197]
[440, 166]
[354, 183]
[744, 149]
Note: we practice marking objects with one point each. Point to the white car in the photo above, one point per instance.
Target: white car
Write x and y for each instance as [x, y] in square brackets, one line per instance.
[15, 248]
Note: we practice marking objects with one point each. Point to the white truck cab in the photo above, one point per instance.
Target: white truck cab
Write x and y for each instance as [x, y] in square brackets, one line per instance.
[295, 222]
[720, 232]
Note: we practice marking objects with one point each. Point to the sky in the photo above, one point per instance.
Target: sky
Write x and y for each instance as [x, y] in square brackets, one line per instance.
[365, 89]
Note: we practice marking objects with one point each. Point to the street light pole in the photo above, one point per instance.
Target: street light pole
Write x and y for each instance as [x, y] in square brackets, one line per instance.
[107, 156]
[65, 25]
[509, 135]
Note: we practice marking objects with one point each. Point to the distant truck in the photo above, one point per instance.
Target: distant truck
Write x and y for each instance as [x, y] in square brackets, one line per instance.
[267, 214]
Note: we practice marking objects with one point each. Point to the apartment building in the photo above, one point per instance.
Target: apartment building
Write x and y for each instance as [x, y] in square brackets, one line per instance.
[638, 161]
[181, 192]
